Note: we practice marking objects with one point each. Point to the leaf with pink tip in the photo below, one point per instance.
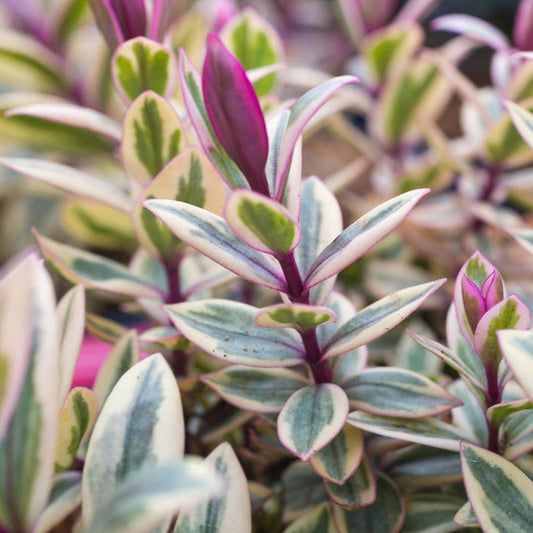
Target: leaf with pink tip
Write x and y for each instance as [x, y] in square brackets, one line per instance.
[95, 272]
[152, 136]
[262, 223]
[378, 318]
[397, 392]
[311, 418]
[164, 14]
[107, 22]
[501, 494]
[226, 329]
[140, 65]
[191, 88]
[255, 389]
[211, 235]
[302, 317]
[190, 178]
[301, 113]
[69, 180]
[361, 236]
[235, 113]
[473, 302]
[474, 28]
[517, 348]
[510, 313]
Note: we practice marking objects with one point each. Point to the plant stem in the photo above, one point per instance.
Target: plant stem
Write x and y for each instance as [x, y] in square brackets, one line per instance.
[493, 396]
[173, 280]
[313, 353]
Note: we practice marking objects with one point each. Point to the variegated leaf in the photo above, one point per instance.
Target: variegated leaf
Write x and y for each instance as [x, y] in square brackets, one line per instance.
[501, 495]
[319, 520]
[256, 389]
[501, 411]
[211, 235]
[517, 348]
[65, 497]
[226, 329]
[470, 417]
[418, 466]
[378, 318]
[71, 326]
[326, 405]
[454, 360]
[103, 328]
[148, 497]
[516, 435]
[97, 225]
[163, 336]
[262, 223]
[431, 513]
[428, 431]
[359, 490]
[339, 459]
[320, 222]
[75, 423]
[386, 514]
[95, 272]
[397, 392]
[510, 313]
[191, 87]
[124, 355]
[301, 113]
[73, 118]
[523, 121]
[188, 178]
[465, 516]
[140, 65]
[255, 43]
[70, 180]
[143, 408]
[152, 136]
[362, 235]
[302, 317]
[229, 514]
[27, 448]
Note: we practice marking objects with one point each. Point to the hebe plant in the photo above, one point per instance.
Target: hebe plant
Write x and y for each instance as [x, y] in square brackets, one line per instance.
[253, 357]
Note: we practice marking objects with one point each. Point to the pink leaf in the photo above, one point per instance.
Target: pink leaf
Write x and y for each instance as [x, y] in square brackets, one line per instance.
[523, 26]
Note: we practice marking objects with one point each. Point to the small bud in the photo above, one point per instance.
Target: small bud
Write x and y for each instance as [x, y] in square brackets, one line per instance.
[523, 26]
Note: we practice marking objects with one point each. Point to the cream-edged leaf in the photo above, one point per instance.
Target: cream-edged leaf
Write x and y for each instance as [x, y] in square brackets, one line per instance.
[301, 317]
[226, 329]
[325, 405]
[319, 520]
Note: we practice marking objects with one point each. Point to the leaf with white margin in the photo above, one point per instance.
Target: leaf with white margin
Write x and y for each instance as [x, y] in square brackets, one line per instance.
[149, 496]
[361, 236]
[501, 411]
[378, 318]
[71, 327]
[189, 177]
[430, 513]
[510, 313]
[339, 459]
[163, 336]
[16, 325]
[191, 87]
[232, 512]
[27, 449]
[226, 329]
[262, 223]
[501, 495]
[311, 418]
[210, 234]
[319, 520]
[255, 389]
[397, 392]
[69, 180]
[152, 136]
[301, 113]
[523, 121]
[451, 359]
[123, 355]
[465, 516]
[140, 426]
[524, 237]
[93, 271]
[428, 431]
[359, 490]
[320, 222]
[302, 317]
[517, 348]
[140, 65]
[76, 419]
[386, 514]
[71, 116]
[65, 497]
[516, 435]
